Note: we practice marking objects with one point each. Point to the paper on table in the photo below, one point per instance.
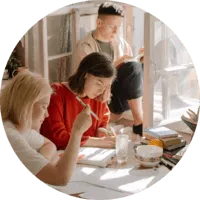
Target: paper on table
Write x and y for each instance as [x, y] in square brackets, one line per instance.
[89, 191]
[102, 193]
[107, 183]
[120, 180]
[73, 187]
[123, 180]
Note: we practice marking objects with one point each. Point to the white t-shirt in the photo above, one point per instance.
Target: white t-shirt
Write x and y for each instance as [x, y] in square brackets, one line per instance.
[26, 146]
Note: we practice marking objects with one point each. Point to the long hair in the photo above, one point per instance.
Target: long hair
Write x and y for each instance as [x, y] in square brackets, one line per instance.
[96, 64]
[19, 96]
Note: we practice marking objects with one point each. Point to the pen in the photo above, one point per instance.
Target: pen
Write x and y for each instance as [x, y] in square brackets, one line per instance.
[83, 104]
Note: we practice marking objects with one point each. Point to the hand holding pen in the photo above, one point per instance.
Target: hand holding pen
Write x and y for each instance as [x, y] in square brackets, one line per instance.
[83, 120]
[84, 105]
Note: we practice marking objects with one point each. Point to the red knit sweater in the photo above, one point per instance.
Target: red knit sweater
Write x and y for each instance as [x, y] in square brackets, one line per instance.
[63, 109]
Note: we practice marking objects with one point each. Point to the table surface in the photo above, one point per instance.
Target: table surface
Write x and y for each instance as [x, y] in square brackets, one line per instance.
[79, 189]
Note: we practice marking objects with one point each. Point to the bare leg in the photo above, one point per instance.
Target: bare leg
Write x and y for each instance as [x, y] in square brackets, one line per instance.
[115, 117]
[137, 110]
[137, 113]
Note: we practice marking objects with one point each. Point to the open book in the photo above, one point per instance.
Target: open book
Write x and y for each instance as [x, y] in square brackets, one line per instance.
[136, 59]
[190, 118]
[180, 153]
[96, 156]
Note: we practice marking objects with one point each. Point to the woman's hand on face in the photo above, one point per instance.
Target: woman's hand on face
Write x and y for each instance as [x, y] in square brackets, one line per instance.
[105, 96]
[83, 120]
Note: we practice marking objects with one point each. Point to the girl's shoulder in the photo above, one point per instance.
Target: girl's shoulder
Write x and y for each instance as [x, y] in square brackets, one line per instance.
[61, 88]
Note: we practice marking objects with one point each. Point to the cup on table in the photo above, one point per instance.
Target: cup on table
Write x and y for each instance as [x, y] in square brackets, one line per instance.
[127, 131]
[121, 148]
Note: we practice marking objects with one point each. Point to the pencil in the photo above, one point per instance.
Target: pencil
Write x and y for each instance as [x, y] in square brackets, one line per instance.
[83, 104]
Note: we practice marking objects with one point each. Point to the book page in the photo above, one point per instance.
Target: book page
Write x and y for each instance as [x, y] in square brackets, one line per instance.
[96, 156]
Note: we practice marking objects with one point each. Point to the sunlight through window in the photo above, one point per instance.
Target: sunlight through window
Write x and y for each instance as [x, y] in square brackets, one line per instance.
[139, 184]
[115, 174]
[88, 170]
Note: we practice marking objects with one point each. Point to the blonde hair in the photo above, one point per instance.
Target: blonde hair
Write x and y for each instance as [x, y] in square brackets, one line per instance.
[19, 96]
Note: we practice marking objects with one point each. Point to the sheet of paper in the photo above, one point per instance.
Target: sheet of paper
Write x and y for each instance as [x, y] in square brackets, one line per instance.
[73, 187]
[89, 191]
[125, 180]
[108, 183]
[129, 180]
[102, 193]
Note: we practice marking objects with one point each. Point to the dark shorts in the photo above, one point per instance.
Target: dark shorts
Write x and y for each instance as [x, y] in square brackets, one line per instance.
[128, 85]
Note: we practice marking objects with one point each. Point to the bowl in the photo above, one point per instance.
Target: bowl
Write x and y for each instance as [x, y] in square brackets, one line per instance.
[149, 155]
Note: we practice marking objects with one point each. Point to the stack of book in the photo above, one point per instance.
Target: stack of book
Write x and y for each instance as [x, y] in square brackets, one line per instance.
[190, 118]
[171, 139]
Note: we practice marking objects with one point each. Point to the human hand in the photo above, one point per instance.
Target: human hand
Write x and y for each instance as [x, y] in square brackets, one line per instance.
[107, 142]
[141, 54]
[141, 50]
[80, 157]
[122, 59]
[83, 120]
[101, 142]
[102, 132]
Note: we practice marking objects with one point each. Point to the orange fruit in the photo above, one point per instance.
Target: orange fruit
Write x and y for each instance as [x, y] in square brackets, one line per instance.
[156, 142]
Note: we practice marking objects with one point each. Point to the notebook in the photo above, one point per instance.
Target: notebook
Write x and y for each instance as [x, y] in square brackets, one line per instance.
[160, 132]
[175, 146]
[180, 137]
[190, 124]
[96, 156]
[180, 153]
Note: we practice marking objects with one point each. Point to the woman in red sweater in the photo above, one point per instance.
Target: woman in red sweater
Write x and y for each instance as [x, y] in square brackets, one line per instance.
[91, 83]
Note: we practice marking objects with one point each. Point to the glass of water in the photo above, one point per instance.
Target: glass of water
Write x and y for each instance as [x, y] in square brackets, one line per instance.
[121, 148]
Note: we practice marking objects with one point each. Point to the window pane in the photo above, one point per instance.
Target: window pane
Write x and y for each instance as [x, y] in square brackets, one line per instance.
[59, 34]
[175, 80]
[59, 69]
[87, 23]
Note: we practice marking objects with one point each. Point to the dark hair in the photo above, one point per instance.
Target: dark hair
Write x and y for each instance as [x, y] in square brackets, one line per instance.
[15, 60]
[109, 8]
[96, 64]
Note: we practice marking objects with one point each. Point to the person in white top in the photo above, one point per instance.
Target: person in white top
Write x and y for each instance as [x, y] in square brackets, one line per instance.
[24, 103]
